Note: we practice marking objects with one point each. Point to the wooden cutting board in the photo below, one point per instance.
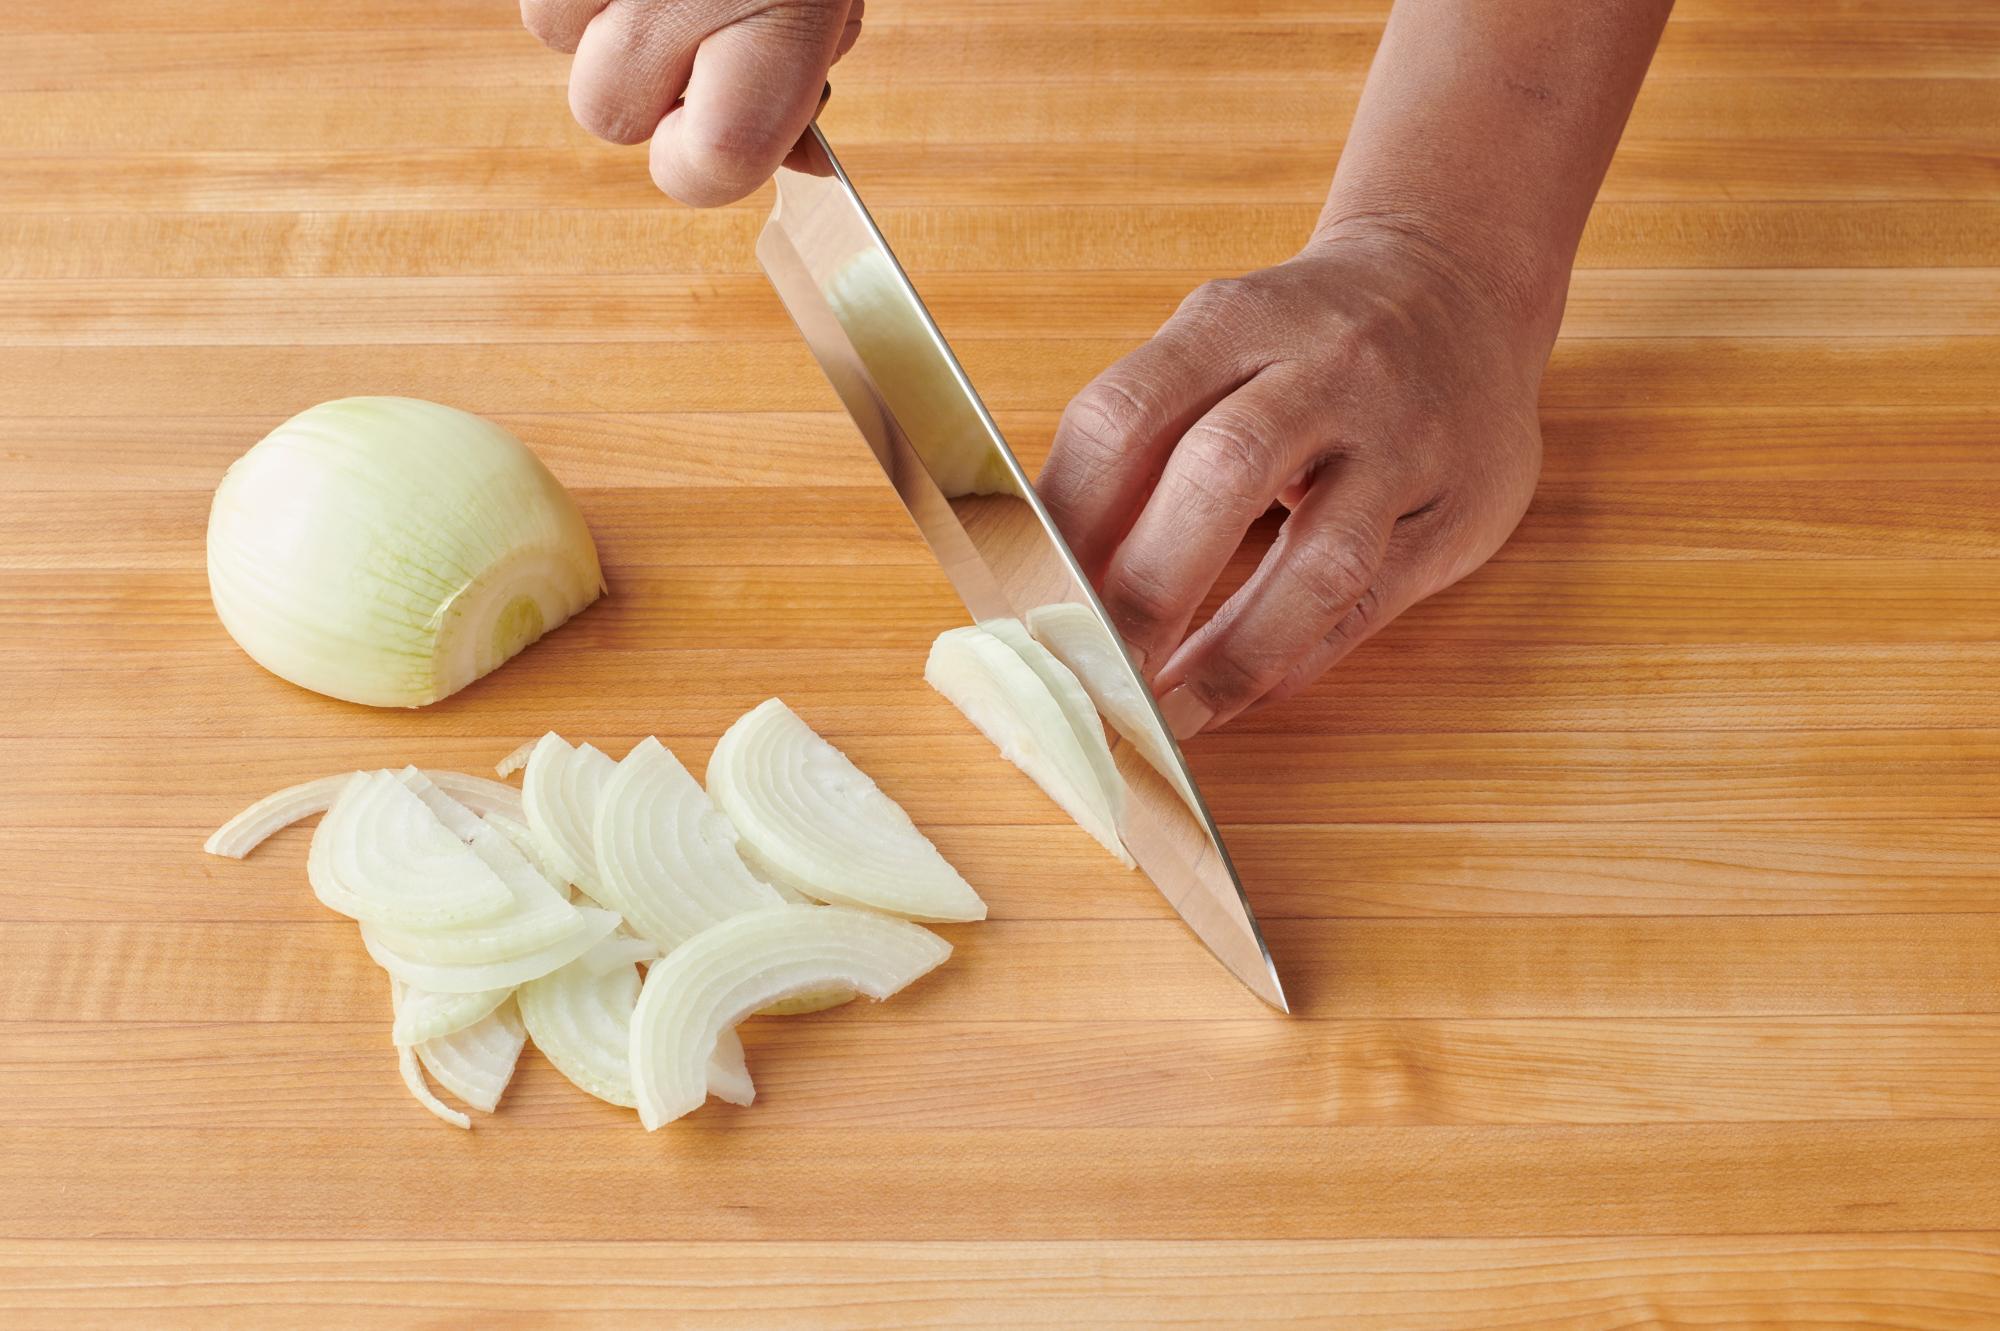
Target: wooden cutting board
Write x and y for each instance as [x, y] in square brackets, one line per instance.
[1637, 897]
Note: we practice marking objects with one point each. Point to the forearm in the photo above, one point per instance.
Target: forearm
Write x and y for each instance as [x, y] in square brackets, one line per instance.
[1484, 132]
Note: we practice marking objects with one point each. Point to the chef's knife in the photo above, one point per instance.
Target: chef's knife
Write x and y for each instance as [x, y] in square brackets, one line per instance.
[975, 506]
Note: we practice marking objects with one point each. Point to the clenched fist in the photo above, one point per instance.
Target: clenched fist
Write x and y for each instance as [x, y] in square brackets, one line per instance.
[723, 88]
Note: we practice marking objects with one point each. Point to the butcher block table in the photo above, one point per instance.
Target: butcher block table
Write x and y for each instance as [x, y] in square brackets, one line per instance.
[1639, 898]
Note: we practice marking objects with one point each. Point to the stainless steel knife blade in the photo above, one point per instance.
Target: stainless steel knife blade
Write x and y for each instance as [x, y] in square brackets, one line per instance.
[975, 506]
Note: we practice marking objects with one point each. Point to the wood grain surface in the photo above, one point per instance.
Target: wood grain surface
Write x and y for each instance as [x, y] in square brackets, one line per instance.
[1638, 896]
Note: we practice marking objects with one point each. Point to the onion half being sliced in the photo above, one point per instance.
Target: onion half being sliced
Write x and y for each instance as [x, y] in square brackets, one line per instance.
[476, 1063]
[473, 978]
[580, 1017]
[381, 855]
[560, 791]
[813, 821]
[724, 974]
[1037, 715]
[666, 856]
[1075, 636]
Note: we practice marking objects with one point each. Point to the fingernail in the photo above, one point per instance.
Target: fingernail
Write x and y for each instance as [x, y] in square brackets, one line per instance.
[1185, 714]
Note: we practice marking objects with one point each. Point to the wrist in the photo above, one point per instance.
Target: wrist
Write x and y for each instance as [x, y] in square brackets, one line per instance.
[1520, 281]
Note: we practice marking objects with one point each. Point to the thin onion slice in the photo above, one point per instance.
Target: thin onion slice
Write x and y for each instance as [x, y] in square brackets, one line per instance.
[580, 1017]
[666, 856]
[1011, 703]
[729, 1070]
[422, 1015]
[381, 855]
[813, 821]
[413, 1077]
[724, 974]
[515, 760]
[255, 825]
[560, 793]
[475, 1064]
[537, 915]
[251, 828]
[481, 795]
[468, 979]
[1080, 641]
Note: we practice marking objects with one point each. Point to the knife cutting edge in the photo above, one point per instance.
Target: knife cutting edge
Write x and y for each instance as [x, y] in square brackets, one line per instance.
[976, 508]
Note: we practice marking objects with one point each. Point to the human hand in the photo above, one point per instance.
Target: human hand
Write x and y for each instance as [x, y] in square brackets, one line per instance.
[723, 88]
[1381, 389]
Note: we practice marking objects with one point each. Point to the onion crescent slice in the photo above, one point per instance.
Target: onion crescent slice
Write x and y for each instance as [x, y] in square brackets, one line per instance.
[813, 821]
[381, 855]
[475, 1064]
[422, 1015]
[469, 979]
[280, 809]
[724, 974]
[559, 792]
[666, 856]
[580, 1017]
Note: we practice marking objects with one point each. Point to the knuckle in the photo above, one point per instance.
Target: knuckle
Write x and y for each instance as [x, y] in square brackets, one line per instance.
[1142, 599]
[1231, 677]
[1361, 619]
[1101, 419]
[1332, 571]
[1235, 461]
[1212, 297]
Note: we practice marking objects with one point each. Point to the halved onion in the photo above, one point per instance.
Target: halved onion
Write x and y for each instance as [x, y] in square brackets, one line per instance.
[422, 1015]
[581, 1019]
[813, 821]
[1008, 701]
[724, 974]
[470, 978]
[1080, 641]
[560, 792]
[666, 856]
[381, 855]
[476, 1063]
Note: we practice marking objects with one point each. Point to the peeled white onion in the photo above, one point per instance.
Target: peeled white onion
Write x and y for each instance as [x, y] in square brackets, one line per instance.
[813, 821]
[389, 551]
[1009, 708]
[560, 790]
[724, 974]
[1075, 636]
[666, 857]
[476, 1063]
[381, 855]
[472, 978]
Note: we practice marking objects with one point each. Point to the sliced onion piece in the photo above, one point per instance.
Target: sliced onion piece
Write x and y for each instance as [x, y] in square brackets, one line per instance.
[813, 821]
[413, 1077]
[1080, 641]
[475, 1064]
[560, 792]
[666, 856]
[515, 760]
[537, 915]
[422, 1015]
[469, 979]
[251, 828]
[729, 1070]
[581, 1019]
[381, 855]
[1011, 705]
[722, 975]
[1078, 710]
[524, 841]
[480, 794]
